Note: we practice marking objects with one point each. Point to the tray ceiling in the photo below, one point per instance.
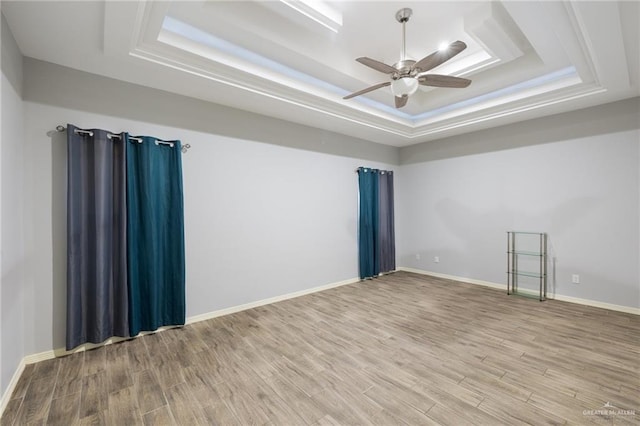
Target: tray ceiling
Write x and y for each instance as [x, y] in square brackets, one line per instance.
[295, 60]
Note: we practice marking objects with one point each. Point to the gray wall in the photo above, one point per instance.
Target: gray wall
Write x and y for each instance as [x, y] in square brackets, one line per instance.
[599, 120]
[13, 257]
[52, 84]
[262, 219]
[575, 176]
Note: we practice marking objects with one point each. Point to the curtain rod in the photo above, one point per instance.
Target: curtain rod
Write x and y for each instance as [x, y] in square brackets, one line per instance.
[383, 171]
[184, 148]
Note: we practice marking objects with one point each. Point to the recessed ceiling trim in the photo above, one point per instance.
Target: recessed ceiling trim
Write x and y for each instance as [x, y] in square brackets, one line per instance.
[318, 11]
[312, 104]
[193, 40]
[589, 90]
[563, 23]
[604, 52]
[148, 22]
[563, 78]
[469, 64]
[484, 26]
[192, 58]
[292, 93]
[265, 77]
[542, 38]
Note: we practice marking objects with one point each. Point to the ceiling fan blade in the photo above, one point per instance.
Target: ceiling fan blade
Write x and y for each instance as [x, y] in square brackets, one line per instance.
[439, 57]
[377, 65]
[367, 90]
[401, 101]
[437, 80]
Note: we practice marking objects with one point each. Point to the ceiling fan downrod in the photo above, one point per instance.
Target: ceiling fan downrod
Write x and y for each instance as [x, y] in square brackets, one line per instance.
[403, 16]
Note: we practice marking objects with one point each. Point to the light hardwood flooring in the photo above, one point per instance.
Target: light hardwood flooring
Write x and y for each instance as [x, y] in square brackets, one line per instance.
[400, 349]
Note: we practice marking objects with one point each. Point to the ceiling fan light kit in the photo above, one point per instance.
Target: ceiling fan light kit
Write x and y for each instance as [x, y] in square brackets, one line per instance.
[406, 75]
[404, 86]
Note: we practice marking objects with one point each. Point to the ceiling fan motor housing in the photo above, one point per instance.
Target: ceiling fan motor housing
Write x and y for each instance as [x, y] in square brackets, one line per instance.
[405, 69]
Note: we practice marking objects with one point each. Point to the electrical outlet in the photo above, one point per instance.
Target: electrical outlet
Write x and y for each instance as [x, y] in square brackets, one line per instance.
[575, 278]
[417, 256]
[436, 259]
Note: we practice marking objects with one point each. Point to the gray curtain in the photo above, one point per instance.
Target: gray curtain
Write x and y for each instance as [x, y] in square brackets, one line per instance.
[386, 236]
[97, 298]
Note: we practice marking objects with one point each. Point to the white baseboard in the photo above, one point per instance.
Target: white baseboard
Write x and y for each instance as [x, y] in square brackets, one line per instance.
[250, 305]
[596, 304]
[12, 385]
[577, 300]
[454, 278]
[42, 356]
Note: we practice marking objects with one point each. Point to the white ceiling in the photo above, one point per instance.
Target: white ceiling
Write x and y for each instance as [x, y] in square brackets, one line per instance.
[526, 59]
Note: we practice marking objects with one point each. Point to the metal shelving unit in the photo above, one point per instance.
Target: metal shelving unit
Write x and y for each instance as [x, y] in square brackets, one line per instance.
[527, 245]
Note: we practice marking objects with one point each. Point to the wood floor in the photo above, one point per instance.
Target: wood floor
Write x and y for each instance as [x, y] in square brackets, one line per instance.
[401, 349]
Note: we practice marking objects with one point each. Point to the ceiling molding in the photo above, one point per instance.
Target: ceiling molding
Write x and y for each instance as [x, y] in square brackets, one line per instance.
[604, 51]
[316, 11]
[525, 59]
[485, 27]
[190, 53]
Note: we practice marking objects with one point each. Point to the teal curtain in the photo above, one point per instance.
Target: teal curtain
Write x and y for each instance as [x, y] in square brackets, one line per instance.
[376, 235]
[368, 222]
[155, 229]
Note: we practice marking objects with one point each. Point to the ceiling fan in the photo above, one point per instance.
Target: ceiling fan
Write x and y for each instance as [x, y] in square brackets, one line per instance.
[407, 74]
